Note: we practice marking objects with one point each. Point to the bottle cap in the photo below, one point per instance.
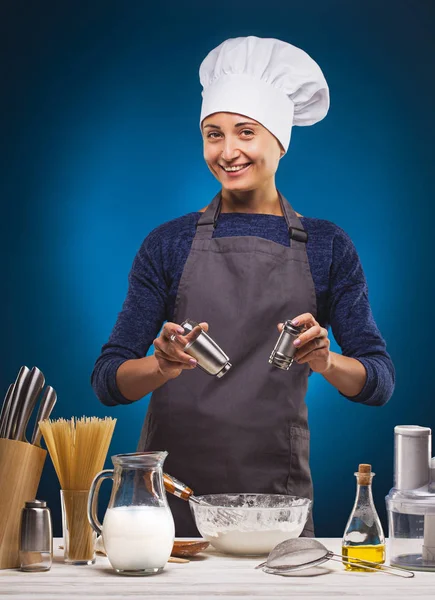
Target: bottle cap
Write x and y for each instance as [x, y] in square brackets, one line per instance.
[364, 474]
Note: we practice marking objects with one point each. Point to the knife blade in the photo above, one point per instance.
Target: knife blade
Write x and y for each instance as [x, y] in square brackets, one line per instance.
[5, 409]
[34, 383]
[48, 401]
[20, 381]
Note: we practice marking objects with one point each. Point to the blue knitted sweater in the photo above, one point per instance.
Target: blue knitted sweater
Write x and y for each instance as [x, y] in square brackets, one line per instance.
[341, 291]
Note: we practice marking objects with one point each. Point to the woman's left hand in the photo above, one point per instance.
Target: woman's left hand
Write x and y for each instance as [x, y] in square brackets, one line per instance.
[313, 344]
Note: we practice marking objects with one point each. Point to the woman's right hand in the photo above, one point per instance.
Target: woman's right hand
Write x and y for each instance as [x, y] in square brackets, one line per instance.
[171, 359]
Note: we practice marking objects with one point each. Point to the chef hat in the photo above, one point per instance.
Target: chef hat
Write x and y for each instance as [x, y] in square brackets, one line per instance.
[265, 79]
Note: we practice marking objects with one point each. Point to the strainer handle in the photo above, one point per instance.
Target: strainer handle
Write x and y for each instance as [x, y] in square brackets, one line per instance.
[368, 564]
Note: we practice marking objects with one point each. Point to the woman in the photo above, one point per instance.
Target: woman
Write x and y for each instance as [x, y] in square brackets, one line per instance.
[242, 266]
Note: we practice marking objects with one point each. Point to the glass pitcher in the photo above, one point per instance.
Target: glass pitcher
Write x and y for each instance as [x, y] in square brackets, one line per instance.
[138, 529]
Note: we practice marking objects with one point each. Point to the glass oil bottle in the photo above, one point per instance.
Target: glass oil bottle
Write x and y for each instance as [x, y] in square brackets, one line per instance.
[363, 538]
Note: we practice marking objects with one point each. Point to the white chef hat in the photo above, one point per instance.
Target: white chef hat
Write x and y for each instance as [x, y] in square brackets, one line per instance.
[265, 79]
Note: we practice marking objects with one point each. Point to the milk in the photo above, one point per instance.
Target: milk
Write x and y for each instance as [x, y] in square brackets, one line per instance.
[138, 537]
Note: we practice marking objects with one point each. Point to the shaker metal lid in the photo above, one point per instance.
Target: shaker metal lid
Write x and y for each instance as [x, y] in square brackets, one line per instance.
[293, 328]
[36, 504]
[224, 370]
[188, 325]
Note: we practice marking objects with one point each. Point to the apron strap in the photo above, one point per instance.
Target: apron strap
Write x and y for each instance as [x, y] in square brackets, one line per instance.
[298, 235]
[207, 222]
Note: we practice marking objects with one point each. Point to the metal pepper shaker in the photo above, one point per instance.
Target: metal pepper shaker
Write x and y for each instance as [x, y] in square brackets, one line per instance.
[36, 537]
[211, 358]
[284, 351]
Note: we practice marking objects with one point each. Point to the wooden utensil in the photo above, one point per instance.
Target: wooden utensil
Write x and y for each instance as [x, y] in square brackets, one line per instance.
[175, 559]
[224, 516]
[187, 548]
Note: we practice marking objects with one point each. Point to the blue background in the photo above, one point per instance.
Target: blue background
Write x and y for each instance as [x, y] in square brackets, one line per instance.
[100, 144]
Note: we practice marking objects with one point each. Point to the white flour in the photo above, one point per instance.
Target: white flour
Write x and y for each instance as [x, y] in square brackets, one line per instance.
[254, 542]
[250, 524]
[248, 531]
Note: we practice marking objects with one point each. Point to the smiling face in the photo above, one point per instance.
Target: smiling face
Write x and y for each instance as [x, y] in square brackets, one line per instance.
[242, 154]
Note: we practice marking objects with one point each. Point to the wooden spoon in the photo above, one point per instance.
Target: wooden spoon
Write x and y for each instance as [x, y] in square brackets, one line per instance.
[175, 559]
[185, 548]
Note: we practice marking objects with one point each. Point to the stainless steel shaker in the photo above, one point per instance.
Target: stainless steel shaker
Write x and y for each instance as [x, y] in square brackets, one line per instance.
[36, 537]
[211, 358]
[283, 353]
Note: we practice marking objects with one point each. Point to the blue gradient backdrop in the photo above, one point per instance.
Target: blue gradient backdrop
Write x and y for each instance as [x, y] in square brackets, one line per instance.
[100, 144]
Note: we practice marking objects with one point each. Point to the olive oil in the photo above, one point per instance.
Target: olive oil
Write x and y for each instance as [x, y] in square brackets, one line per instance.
[363, 539]
[374, 554]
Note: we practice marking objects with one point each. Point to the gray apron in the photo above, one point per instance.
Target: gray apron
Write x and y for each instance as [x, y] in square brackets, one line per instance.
[246, 432]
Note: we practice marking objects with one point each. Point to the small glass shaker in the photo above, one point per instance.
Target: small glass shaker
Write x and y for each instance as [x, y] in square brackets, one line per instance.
[284, 351]
[36, 537]
[211, 358]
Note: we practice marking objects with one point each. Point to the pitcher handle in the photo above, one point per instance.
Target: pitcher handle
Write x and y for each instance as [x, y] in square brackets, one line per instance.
[93, 499]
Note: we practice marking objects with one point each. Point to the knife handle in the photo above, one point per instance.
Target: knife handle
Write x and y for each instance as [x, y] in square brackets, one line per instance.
[48, 401]
[34, 384]
[14, 403]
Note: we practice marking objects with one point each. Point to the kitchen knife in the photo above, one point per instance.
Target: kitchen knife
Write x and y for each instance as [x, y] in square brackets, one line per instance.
[14, 402]
[5, 409]
[48, 401]
[34, 383]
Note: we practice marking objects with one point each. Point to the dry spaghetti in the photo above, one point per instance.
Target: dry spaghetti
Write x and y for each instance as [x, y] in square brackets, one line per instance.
[78, 449]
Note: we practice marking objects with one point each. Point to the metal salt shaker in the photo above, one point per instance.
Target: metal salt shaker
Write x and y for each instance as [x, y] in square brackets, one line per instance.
[211, 358]
[36, 537]
[284, 351]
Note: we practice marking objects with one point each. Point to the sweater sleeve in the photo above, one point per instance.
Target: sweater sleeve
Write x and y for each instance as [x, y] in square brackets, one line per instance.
[353, 325]
[141, 318]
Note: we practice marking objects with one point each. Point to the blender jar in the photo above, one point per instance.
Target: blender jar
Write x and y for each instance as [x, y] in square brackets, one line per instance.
[411, 521]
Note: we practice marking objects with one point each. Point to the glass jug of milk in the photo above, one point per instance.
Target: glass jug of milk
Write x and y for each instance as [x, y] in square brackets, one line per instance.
[138, 529]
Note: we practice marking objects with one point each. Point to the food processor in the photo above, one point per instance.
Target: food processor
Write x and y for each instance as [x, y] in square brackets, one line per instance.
[411, 502]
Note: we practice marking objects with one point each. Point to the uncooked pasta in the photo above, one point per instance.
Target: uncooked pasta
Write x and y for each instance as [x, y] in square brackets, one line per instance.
[78, 449]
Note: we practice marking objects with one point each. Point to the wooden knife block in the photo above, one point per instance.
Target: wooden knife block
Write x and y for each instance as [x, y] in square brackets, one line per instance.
[20, 472]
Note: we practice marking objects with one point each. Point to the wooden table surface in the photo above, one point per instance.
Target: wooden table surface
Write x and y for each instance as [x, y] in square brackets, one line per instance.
[210, 575]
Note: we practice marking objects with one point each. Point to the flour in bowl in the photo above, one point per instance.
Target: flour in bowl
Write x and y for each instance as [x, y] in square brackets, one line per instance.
[254, 542]
[250, 524]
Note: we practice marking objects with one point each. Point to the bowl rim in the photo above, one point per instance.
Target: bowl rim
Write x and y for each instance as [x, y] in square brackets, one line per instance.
[303, 502]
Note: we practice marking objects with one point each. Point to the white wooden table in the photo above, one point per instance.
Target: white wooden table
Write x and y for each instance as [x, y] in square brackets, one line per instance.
[210, 575]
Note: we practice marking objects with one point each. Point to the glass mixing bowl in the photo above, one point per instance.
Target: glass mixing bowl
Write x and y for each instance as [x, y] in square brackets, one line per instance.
[249, 524]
